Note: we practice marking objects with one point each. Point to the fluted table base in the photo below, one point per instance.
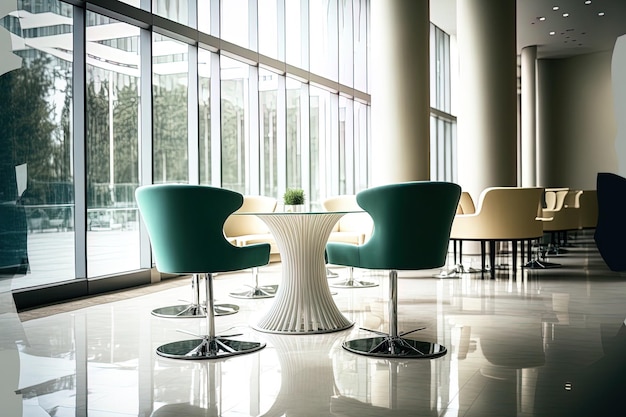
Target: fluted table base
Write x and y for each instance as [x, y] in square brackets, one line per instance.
[303, 303]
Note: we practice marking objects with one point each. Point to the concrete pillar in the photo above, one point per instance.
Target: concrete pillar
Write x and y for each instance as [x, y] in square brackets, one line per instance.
[487, 117]
[529, 117]
[548, 115]
[400, 90]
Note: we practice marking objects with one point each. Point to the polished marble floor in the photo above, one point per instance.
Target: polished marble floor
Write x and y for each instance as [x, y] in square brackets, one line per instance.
[527, 343]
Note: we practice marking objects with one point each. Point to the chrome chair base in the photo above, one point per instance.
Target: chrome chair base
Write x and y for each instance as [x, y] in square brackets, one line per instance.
[331, 274]
[265, 291]
[537, 264]
[207, 348]
[193, 310]
[353, 283]
[394, 347]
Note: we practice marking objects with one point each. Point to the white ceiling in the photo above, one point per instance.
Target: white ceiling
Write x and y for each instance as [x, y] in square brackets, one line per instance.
[582, 32]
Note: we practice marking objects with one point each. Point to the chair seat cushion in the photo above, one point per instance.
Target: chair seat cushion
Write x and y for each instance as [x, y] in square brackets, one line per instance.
[246, 240]
[347, 237]
[342, 254]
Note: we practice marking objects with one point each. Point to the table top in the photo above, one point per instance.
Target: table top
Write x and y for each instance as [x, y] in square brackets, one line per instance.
[306, 209]
[288, 213]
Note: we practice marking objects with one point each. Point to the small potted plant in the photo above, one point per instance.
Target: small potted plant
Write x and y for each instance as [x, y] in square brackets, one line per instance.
[293, 199]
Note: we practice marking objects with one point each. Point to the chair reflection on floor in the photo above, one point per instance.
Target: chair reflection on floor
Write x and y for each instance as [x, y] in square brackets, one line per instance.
[185, 225]
[210, 391]
[206, 401]
[367, 388]
[306, 374]
[412, 222]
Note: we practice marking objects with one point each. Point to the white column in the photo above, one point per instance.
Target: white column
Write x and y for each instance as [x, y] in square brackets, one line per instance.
[487, 119]
[400, 90]
[529, 117]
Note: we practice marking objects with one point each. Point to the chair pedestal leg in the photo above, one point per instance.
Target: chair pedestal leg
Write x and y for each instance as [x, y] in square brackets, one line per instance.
[256, 291]
[537, 263]
[351, 282]
[194, 308]
[208, 346]
[393, 344]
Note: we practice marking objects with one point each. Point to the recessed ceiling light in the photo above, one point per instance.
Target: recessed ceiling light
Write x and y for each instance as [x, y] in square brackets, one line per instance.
[555, 8]
[565, 14]
[601, 14]
[542, 18]
[552, 33]
[588, 2]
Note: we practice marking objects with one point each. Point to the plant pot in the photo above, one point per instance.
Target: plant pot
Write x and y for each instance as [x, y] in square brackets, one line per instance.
[295, 208]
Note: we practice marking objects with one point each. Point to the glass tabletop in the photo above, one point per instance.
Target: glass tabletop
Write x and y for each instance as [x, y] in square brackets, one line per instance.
[287, 213]
[305, 209]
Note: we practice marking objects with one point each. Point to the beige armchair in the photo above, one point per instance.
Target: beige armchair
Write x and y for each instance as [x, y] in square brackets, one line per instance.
[565, 217]
[503, 214]
[353, 228]
[555, 197]
[588, 202]
[247, 230]
[465, 206]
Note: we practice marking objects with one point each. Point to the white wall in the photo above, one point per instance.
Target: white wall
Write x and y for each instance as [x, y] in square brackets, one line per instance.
[618, 76]
[576, 125]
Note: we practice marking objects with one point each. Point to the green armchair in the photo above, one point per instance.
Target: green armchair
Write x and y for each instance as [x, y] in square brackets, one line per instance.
[185, 224]
[412, 223]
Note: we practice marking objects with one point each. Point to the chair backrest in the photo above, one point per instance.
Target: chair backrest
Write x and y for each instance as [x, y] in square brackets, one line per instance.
[611, 227]
[185, 224]
[466, 204]
[412, 223]
[351, 222]
[250, 225]
[505, 213]
[555, 198]
[572, 199]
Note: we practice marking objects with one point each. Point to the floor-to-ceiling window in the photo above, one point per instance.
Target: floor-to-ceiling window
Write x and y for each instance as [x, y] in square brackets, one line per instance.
[204, 115]
[297, 131]
[443, 152]
[251, 95]
[268, 130]
[112, 147]
[36, 144]
[235, 160]
[169, 110]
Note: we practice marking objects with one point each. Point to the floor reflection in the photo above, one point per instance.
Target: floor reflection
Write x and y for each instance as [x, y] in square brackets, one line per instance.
[545, 344]
[380, 387]
[11, 332]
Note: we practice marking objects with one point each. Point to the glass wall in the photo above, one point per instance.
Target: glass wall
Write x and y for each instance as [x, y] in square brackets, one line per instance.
[176, 10]
[442, 122]
[204, 115]
[37, 241]
[270, 40]
[268, 119]
[147, 100]
[112, 118]
[170, 110]
[235, 125]
[323, 39]
[297, 132]
[234, 22]
[296, 25]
